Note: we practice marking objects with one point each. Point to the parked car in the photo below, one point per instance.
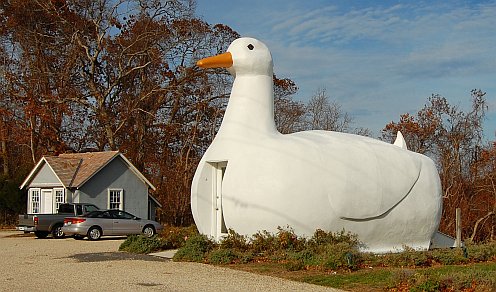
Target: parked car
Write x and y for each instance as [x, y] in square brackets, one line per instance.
[44, 224]
[109, 222]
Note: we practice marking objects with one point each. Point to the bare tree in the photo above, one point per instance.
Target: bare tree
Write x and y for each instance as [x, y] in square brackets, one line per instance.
[324, 114]
[453, 138]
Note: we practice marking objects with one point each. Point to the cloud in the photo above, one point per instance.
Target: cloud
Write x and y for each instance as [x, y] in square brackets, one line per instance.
[379, 60]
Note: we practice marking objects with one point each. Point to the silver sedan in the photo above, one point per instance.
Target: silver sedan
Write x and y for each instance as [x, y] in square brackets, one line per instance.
[108, 222]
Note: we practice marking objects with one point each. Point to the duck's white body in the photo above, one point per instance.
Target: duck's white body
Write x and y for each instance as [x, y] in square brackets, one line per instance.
[253, 178]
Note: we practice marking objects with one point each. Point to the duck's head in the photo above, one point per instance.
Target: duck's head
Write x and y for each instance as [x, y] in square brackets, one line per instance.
[245, 56]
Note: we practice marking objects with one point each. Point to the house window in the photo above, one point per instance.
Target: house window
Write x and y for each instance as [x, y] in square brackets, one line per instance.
[116, 199]
[34, 200]
[59, 198]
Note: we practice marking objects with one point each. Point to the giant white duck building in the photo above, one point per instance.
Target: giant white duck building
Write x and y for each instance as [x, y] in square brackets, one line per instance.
[254, 178]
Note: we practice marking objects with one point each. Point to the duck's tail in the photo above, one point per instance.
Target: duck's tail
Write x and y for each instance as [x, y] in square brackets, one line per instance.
[400, 141]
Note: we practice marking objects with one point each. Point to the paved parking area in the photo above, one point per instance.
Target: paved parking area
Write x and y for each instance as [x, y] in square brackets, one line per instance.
[31, 264]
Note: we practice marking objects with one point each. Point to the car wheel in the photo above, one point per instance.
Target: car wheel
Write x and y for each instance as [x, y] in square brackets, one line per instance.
[78, 237]
[57, 232]
[148, 231]
[94, 233]
[41, 234]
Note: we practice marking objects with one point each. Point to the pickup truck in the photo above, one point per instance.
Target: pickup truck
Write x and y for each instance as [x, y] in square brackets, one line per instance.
[44, 224]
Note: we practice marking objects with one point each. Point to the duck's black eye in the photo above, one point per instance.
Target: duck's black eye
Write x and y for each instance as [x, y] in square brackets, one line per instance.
[251, 47]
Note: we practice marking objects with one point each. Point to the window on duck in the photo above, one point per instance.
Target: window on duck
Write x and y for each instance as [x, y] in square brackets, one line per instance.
[115, 200]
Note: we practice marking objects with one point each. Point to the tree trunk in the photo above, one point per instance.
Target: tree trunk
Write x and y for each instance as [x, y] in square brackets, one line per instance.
[476, 226]
[3, 149]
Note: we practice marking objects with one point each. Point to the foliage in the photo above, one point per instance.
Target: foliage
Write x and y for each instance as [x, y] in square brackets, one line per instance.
[326, 249]
[476, 278]
[141, 244]
[11, 201]
[235, 241]
[433, 270]
[195, 249]
[99, 75]
[452, 257]
[105, 75]
[481, 252]
[175, 237]
[222, 256]
[454, 139]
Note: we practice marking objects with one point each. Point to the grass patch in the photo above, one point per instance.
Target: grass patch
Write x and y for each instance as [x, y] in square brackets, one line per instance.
[472, 277]
[362, 280]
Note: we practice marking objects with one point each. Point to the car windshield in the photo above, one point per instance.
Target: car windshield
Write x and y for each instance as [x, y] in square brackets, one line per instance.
[121, 214]
[90, 208]
[98, 214]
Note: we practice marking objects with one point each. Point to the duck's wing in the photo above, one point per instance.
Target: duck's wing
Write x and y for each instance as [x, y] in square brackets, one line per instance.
[367, 177]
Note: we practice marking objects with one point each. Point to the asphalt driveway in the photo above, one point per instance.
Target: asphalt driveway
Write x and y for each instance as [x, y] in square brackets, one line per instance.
[31, 264]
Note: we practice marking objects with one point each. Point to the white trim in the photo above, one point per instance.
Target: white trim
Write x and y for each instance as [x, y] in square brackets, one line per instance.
[121, 198]
[64, 198]
[60, 181]
[137, 172]
[75, 196]
[35, 171]
[155, 200]
[30, 200]
[218, 169]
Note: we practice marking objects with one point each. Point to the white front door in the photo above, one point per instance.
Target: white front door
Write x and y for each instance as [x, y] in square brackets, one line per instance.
[219, 229]
[47, 202]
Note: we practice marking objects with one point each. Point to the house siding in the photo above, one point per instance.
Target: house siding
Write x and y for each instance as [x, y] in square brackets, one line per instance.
[116, 175]
[45, 178]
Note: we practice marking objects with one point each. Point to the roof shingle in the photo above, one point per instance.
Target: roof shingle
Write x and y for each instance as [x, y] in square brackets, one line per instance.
[90, 163]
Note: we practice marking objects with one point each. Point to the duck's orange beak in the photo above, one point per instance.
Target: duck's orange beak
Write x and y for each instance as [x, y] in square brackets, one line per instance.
[219, 61]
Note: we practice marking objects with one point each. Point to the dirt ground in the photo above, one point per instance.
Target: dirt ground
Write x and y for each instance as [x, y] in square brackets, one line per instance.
[31, 264]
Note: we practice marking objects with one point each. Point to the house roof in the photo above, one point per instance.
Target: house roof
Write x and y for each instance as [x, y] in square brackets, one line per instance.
[75, 169]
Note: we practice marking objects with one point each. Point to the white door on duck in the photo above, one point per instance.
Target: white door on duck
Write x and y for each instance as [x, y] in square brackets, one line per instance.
[219, 229]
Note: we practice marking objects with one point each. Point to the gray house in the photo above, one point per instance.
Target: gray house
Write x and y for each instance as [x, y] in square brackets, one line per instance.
[106, 179]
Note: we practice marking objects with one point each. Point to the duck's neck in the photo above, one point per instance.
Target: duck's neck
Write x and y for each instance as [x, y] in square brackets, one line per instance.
[250, 111]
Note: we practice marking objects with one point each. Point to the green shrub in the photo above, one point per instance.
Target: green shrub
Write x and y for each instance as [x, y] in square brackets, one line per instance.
[445, 279]
[449, 256]
[235, 241]
[129, 241]
[141, 244]
[294, 265]
[244, 257]
[287, 239]
[175, 237]
[321, 239]
[340, 255]
[262, 242]
[306, 256]
[194, 250]
[407, 258]
[481, 253]
[459, 281]
[266, 243]
[222, 256]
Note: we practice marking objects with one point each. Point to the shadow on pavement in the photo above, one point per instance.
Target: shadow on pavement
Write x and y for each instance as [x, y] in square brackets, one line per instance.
[114, 256]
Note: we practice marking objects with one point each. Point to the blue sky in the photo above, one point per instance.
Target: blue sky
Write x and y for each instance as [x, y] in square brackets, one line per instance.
[378, 59]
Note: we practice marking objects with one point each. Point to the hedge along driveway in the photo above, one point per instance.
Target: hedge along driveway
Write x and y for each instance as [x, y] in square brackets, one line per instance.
[35, 264]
